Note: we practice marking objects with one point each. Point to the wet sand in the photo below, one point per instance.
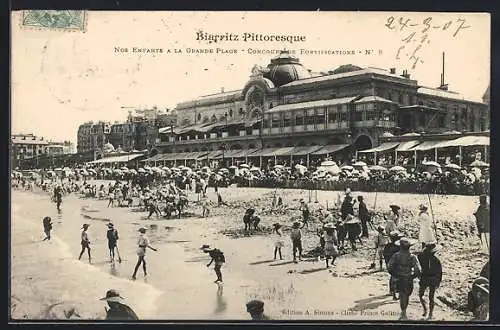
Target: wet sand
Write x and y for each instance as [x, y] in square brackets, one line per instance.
[179, 285]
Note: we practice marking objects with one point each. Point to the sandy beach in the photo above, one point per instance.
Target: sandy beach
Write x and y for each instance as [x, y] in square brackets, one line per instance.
[48, 282]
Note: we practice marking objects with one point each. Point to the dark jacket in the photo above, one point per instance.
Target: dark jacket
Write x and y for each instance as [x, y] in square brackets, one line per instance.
[431, 267]
[121, 312]
[403, 264]
[483, 218]
[112, 235]
[389, 251]
[346, 208]
[364, 214]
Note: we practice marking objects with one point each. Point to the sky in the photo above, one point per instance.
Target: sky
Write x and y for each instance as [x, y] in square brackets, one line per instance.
[61, 79]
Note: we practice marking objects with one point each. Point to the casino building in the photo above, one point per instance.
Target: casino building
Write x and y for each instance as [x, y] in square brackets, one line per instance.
[289, 113]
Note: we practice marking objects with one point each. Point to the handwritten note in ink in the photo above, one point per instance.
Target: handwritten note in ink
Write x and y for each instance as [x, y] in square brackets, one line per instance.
[416, 35]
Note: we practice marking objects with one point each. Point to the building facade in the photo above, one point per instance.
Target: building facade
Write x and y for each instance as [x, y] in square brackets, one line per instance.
[286, 105]
[139, 132]
[29, 147]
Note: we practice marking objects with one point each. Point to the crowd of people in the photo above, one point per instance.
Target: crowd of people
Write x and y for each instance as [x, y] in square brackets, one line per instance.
[163, 192]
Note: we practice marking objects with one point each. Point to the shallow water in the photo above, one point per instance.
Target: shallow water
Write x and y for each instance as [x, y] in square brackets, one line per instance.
[179, 285]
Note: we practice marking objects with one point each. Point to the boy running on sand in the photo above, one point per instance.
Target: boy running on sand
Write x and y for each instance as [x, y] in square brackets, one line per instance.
[381, 241]
[85, 241]
[217, 257]
[143, 243]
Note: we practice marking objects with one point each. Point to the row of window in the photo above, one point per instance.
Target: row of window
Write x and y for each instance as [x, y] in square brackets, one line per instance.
[319, 116]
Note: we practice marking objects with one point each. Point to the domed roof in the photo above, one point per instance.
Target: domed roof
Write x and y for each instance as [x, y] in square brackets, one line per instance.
[286, 68]
[345, 68]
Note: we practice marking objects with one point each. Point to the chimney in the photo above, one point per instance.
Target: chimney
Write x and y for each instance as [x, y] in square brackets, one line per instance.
[443, 86]
[393, 70]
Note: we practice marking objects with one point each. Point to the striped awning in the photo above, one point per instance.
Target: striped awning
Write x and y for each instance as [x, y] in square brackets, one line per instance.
[406, 146]
[329, 149]
[116, 159]
[383, 147]
[427, 145]
[302, 151]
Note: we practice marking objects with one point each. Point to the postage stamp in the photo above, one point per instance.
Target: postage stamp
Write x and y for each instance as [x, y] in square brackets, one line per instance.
[71, 20]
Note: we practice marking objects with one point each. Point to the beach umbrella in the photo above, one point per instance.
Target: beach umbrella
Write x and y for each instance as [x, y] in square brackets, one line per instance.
[328, 163]
[66, 168]
[233, 167]
[205, 169]
[398, 169]
[479, 163]
[431, 163]
[91, 170]
[175, 169]
[255, 169]
[347, 168]
[58, 169]
[133, 171]
[453, 166]
[244, 166]
[377, 168]
[165, 168]
[359, 163]
[278, 167]
[147, 168]
[141, 170]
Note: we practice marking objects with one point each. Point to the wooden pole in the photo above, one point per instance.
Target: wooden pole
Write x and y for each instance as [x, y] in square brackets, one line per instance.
[460, 155]
[415, 160]
[485, 153]
[433, 220]
[436, 154]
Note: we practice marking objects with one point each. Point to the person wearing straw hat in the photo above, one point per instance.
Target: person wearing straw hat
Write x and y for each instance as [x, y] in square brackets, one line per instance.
[143, 243]
[426, 234]
[432, 274]
[278, 244]
[112, 236]
[85, 242]
[118, 310]
[305, 213]
[389, 250]
[256, 310]
[331, 242]
[296, 237]
[405, 267]
[381, 240]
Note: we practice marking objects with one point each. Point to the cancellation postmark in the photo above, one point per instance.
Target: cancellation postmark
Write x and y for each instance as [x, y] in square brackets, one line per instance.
[60, 20]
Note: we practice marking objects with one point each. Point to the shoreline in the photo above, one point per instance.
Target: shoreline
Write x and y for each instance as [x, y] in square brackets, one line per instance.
[178, 270]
